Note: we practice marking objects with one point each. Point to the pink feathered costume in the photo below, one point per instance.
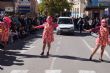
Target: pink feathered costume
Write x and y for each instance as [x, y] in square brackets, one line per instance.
[103, 35]
[4, 29]
[48, 32]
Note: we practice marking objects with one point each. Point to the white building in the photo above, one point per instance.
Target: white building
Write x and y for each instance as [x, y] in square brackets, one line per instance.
[78, 8]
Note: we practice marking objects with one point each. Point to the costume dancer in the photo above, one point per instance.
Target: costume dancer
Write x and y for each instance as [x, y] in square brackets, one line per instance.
[47, 36]
[102, 39]
[5, 29]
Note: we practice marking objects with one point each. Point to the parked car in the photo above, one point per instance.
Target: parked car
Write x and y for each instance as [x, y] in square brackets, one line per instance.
[65, 24]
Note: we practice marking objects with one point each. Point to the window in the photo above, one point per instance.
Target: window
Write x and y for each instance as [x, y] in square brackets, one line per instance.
[65, 21]
[77, 10]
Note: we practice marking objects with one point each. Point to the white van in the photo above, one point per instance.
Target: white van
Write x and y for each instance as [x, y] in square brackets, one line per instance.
[65, 24]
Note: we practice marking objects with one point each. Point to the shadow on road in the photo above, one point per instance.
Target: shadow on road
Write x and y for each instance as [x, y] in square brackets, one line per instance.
[20, 43]
[77, 34]
[77, 58]
[10, 58]
[83, 34]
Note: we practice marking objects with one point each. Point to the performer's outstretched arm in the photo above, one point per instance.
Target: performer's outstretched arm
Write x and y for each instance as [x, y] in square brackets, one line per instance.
[40, 26]
[55, 25]
[109, 29]
[93, 29]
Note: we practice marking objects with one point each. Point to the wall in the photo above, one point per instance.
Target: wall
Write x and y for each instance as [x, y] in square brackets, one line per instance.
[6, 4]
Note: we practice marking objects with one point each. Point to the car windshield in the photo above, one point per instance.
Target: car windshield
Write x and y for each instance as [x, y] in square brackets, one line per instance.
[65, 21]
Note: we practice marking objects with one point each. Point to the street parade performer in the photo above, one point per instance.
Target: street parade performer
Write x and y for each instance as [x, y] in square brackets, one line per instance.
[47, 36]
[5, 30]
[103, 37]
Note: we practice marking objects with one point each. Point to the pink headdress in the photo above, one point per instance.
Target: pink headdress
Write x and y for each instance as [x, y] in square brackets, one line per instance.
[49, 18]
[8, 20]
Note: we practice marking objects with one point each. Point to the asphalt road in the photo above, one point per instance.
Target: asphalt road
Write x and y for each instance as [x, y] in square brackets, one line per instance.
[69, 54]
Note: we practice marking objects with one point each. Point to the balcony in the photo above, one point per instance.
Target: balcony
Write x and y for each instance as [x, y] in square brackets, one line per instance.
[104, 3]
[95, 5]
[24, 3]
[24, 9]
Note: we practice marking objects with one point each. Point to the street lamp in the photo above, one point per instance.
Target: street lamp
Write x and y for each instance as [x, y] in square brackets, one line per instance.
[65, 12]
[65, 9]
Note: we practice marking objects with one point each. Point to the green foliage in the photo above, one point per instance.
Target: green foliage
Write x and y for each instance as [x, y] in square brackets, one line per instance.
[41, 8]
[51, 7]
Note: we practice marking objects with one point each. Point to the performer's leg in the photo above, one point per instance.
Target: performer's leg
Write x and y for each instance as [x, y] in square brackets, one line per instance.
[43, 48]
[96, 48]
[102, 51]
[49, 46]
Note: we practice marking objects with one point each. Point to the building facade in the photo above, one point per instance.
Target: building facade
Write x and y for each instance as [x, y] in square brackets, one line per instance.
[19, 6]
[91, 8]
[107, 4]
[26, 6]
[7, 6]
[98, 8]
[77, 8]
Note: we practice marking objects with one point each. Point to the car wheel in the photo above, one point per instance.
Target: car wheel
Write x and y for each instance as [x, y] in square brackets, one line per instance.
[72, 32]
[58, 33]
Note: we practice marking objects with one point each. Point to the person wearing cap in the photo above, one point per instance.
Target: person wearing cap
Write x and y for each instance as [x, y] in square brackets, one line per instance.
[103, 37]
[47, 36]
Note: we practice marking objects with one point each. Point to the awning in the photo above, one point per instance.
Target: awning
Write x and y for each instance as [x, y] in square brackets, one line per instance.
[2, 9]
[95, 7]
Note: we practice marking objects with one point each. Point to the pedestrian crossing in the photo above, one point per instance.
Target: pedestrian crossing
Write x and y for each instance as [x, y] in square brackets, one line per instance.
[53, 71]
[19, 71]
[27, 71]
[86, 71]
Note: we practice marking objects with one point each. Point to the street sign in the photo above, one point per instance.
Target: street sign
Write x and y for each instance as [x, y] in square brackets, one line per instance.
[9, 9]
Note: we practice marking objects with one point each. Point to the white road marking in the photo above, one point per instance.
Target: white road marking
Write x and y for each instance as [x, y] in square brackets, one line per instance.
[53, 71]
[53, 59]
[61, 37]
[52, 63]
[59, 43]
[19, 71]
[105, 52]
[86, 71]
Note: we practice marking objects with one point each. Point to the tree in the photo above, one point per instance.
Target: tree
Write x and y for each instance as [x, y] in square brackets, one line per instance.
[41, 8]
[52, 7]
